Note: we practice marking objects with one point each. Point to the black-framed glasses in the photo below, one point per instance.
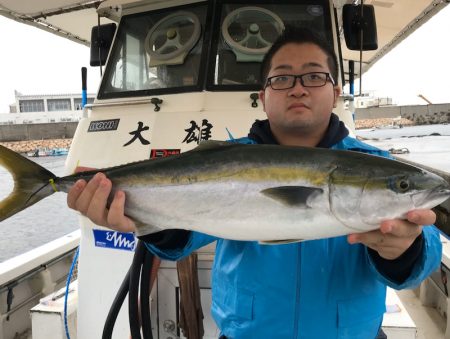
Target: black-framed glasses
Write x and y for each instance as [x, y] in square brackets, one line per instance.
[311, 79]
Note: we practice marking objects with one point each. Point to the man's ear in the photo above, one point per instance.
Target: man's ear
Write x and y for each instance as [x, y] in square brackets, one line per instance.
[261, 95]
[337, 92]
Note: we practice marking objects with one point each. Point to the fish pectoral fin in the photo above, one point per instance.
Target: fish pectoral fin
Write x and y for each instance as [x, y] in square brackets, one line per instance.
[279, 242]
[294, 196]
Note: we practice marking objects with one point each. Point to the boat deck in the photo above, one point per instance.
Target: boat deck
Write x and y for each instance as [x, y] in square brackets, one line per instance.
[430, 324]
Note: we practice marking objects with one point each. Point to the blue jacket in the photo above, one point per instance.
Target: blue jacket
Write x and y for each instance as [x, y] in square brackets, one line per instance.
[314, 289]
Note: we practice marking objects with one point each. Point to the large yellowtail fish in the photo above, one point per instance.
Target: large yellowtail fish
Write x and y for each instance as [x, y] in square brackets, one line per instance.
[265, 193]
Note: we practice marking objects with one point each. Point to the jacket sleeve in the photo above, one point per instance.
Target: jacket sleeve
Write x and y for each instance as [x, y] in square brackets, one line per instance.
[176, 244]
[425, 264]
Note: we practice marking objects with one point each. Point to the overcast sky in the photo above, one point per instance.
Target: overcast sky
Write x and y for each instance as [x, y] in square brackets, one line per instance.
[33, 61]
[418, 65]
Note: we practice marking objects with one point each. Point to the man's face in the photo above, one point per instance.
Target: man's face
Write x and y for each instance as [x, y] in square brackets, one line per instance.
[299, 109]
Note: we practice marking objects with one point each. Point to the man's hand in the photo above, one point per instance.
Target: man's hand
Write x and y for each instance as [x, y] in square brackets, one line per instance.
[90, 199]
[395, 236]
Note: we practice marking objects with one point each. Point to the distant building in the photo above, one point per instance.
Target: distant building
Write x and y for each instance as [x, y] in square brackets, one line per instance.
[44, 108]
[369, 99]
[48, 102]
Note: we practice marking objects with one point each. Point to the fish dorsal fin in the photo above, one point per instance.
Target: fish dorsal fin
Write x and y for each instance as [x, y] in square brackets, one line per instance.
[294, 196]
[279, 242]
[211, 144]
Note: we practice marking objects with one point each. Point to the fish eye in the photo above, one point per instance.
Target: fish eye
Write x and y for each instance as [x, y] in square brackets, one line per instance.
[402, 185]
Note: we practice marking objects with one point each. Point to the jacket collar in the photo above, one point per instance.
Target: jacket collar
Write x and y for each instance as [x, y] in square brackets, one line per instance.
[261, 133]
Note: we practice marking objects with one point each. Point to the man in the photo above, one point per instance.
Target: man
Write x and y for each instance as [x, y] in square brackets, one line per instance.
[329, 288]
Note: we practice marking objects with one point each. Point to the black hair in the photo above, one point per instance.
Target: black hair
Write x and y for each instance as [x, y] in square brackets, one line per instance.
[299, 35]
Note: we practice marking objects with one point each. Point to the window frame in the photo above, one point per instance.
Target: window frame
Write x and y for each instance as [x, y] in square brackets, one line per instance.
[211, 38]
[169, 90]
[216, 31]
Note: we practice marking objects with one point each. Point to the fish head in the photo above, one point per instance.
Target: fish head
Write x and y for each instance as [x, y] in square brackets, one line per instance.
[364, 199]
[395, 195]
[426, 189]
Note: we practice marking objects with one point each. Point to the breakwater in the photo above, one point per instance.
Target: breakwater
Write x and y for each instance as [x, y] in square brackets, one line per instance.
[418, 114]
[18, 132]
[382, 122]
[26, 146]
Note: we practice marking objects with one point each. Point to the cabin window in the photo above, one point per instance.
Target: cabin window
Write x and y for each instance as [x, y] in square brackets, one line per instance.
[215, 45]
[157, 52]
[246, 32]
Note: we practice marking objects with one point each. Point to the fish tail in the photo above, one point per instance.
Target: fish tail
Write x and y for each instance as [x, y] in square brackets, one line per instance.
[32, 183]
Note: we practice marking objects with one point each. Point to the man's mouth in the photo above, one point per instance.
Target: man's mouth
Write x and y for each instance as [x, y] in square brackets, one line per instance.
[297, 105]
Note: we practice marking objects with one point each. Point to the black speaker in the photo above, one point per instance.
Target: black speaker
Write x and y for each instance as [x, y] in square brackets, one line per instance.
[101, 40]
[353, 22]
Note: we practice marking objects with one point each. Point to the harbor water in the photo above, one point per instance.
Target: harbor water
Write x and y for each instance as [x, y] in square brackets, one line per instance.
[39, 224]
[427, 144]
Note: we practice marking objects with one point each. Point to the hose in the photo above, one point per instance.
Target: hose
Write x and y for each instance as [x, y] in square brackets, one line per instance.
[142, 262]
[133, 293]
[115, 307]
[66, 295]
[145, 296]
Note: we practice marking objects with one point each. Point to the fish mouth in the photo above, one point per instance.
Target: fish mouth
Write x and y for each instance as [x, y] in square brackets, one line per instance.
[433, 198]
[441, 192]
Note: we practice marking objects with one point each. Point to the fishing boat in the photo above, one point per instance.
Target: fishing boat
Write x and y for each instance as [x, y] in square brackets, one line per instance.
[48, 152]
[40, 152]
[59, 151]
[176, 73]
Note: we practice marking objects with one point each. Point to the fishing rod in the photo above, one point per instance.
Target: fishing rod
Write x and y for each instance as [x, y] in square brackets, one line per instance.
[139, 271]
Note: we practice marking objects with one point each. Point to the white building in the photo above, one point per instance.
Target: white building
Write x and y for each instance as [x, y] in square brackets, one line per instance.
[44, 108]
[369, 99]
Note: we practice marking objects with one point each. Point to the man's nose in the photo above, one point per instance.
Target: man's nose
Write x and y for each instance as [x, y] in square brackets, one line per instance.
[298, 88]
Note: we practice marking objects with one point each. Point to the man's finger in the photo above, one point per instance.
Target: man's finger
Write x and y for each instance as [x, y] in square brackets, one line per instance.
[75, 192]
[422, 217]
[400, 228]
[79, 169]
[84, 199]
[365, 238]
[116, 218]
[97, 211]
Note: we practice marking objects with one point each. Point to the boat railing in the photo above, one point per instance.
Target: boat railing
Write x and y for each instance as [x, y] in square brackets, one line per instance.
[27, 278]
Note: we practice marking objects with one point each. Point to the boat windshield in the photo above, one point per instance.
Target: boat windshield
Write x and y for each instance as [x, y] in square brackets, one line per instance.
[191, 48]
